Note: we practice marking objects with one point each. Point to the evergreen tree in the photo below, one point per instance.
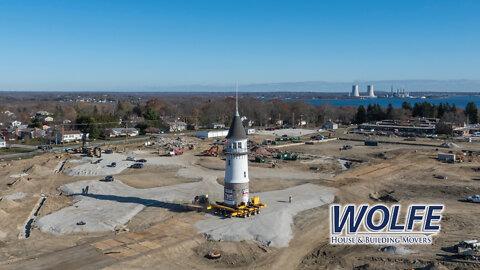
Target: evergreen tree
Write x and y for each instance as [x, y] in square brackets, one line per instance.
[471, 112]
[361, 116]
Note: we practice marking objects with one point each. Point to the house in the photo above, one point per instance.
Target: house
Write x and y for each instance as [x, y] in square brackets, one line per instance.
[42, 113]
[330, 125]
[248, 123]
[121, 132]
[15, 123]
[46, 119]
[301, 123]
[250, 131]
[2, 143]
[66, 121]
[70, 136]
[279, 122]
[176, 126]
[31, 133]
[217, 125]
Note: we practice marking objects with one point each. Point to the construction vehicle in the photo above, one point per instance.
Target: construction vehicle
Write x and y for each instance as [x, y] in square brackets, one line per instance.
[97, 151]
[259, 160]
[174, 152]
[202, 203]
[292, 157]
[468, 249]
[243, 210]
[213, 151]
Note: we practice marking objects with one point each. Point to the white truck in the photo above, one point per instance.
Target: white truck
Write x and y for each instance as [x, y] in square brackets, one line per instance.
[474, 198]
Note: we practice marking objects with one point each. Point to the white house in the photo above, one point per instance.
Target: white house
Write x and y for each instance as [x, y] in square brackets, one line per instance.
[42, 113]
[217, 125]
[70, 136]
[2, 143]
[120, 132]
[250, 131]
[176, 126]
[47, 119]
[330, 125]
[15, 123]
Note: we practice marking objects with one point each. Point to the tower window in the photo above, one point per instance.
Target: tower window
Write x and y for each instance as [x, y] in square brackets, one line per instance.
[229, 162]
[239, 145]
[245, 174]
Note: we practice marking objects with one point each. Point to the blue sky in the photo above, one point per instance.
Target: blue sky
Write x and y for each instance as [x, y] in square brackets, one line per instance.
[121, 45]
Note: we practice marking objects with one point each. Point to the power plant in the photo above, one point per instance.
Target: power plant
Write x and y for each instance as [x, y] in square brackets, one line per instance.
[355, 92]
[370, 92]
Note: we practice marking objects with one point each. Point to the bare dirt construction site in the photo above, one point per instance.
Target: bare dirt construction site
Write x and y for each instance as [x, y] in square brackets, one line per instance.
[139, 220]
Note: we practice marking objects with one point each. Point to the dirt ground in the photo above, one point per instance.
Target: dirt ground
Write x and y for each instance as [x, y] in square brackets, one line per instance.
[159, 238]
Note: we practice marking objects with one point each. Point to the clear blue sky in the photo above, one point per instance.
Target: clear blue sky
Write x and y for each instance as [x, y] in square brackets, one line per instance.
[108, 45]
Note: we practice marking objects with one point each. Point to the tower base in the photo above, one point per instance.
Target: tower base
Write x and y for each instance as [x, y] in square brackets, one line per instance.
[235, 194]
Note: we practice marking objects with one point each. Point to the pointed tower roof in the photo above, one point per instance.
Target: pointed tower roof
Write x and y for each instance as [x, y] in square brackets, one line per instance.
[237, 131]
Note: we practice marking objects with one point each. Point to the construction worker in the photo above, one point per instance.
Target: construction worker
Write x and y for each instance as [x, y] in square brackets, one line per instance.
[290, 199]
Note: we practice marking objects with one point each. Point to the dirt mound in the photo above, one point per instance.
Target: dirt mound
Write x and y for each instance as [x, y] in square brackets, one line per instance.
[7, 203]
[449, 145]
[433, 266]
[38, 170]
[261, 151]
[3, 214]
[383, 196]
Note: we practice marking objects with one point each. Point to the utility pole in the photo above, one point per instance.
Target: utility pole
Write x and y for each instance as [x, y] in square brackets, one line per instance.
[126, 135]
[293, 119]
[63, 131]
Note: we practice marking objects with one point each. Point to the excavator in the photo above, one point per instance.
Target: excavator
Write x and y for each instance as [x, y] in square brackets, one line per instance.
[97, 151]
[213, 151]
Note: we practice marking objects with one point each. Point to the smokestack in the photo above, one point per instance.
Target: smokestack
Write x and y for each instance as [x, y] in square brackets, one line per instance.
[355, 92]
[370, 92]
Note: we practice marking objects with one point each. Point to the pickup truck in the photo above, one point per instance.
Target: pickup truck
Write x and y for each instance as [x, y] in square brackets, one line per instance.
[474, 198]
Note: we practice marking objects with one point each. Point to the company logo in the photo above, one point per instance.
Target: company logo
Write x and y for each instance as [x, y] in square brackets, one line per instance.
[381, 224]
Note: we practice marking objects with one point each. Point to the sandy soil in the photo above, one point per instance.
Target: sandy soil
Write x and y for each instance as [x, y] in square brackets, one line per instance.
[158, 238]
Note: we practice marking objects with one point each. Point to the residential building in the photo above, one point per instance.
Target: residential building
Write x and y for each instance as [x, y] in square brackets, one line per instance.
[217, 125]
[42, 113]
[330, 125]
[175, 126]
[70, 136]
[2, 143]
[15, 123]
[121, 132]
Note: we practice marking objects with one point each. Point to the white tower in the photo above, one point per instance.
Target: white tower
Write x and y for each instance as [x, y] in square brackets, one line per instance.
[236, 167]
[355, 92]
[370, 92]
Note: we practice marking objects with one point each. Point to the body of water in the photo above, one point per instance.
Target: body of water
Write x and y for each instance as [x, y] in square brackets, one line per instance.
[460, 102]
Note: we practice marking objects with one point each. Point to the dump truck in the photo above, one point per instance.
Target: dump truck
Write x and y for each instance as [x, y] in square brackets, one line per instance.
[174, 152]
